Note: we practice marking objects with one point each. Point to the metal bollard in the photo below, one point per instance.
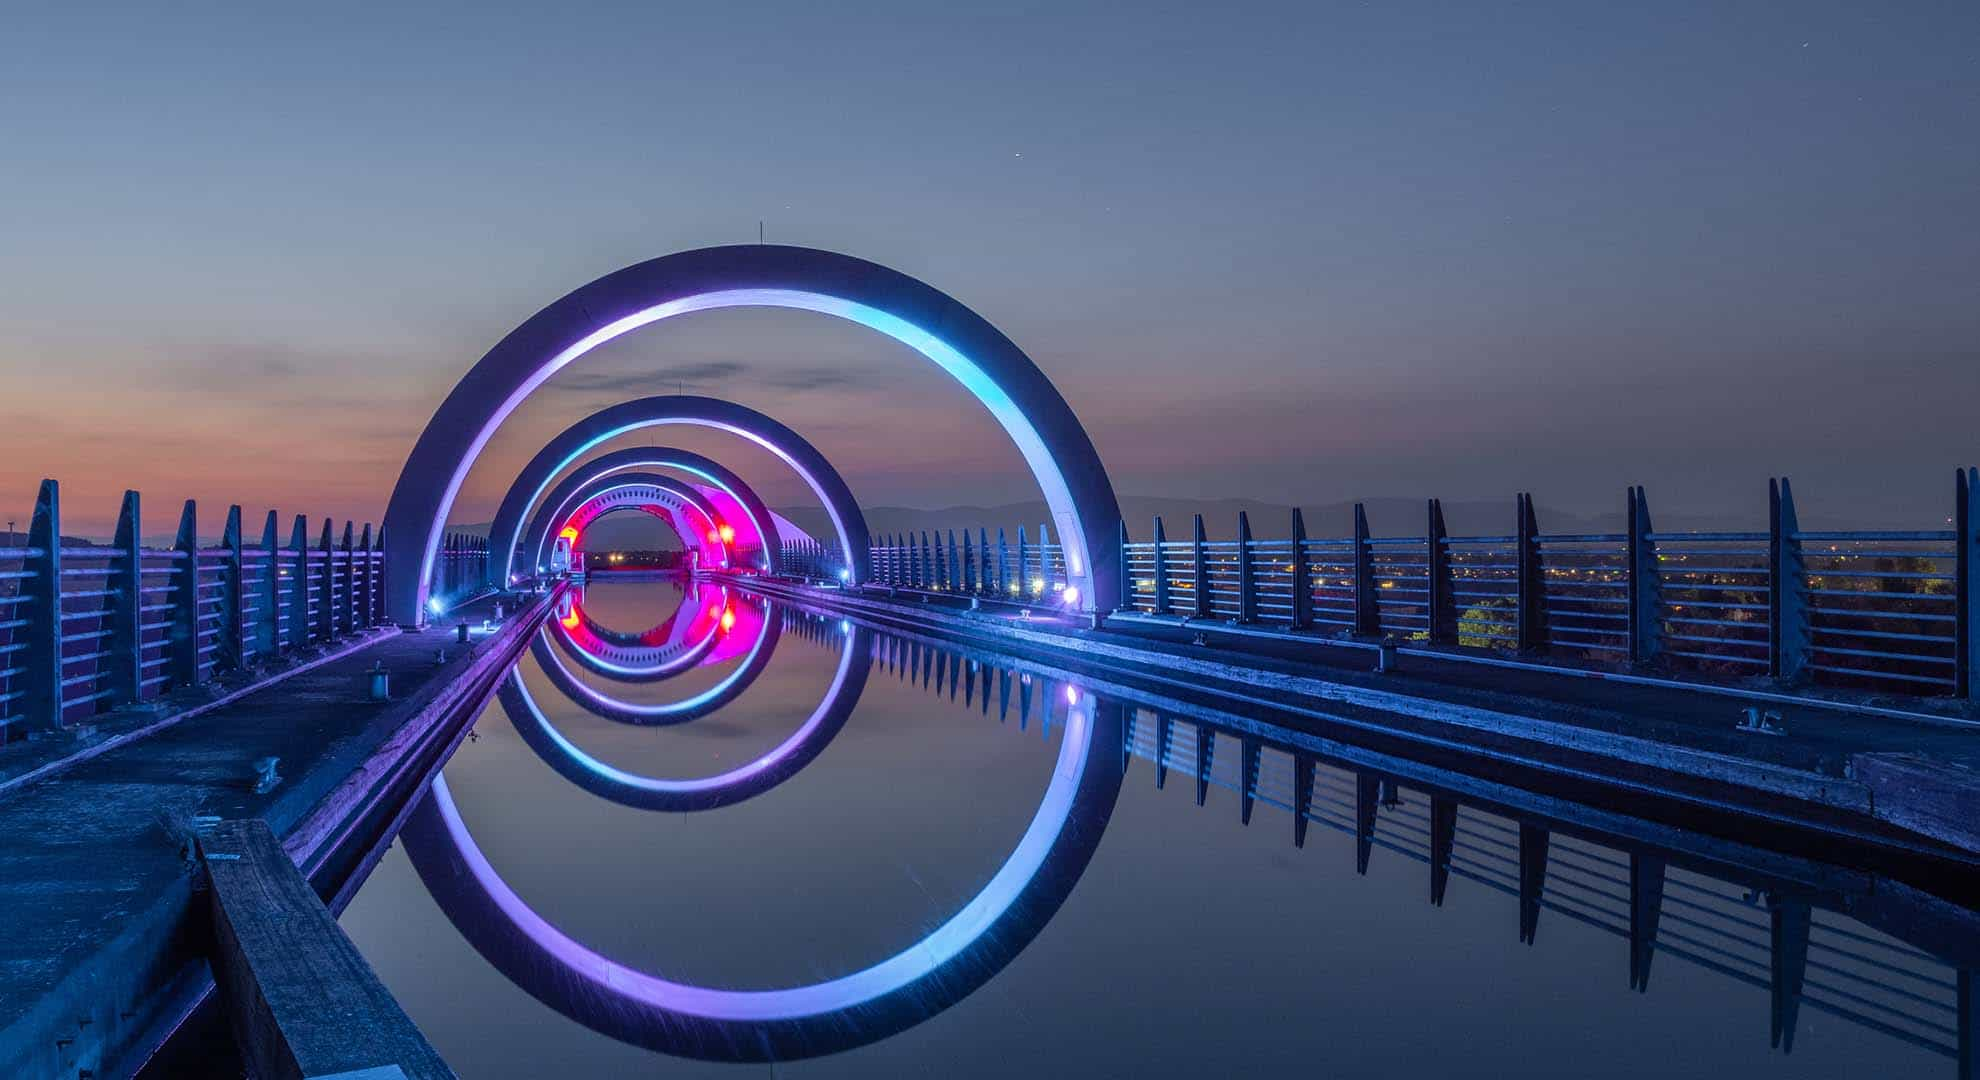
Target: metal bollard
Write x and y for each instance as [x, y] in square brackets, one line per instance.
[1385, 657]
[381, 682]
[461, 632]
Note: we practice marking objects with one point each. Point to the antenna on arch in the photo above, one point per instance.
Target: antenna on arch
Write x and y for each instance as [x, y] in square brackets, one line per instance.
[759, 230]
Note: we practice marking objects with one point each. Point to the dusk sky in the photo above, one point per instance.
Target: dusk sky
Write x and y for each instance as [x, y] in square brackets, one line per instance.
[1300, 252]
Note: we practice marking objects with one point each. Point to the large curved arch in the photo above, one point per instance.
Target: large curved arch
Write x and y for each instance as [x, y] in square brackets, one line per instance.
[580, 438]
[961, 342]
[500, 564]
[608, 493]
[650, 1010]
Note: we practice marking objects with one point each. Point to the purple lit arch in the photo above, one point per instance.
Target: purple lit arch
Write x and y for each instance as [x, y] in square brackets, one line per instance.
[574, 442]
[998, 373]
[757, 522]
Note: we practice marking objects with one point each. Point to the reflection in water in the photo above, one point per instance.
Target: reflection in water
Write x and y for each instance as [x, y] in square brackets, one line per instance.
[785, 1022]
[1890, 963]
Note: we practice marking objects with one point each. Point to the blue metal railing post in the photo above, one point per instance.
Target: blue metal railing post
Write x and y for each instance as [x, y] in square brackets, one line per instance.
[1247, 573]
[1787, 586]
[1966, 559]
[185, 600]
[326, 587]
[984, 581]
[1199, 569]
[368, 579]
[1003, 564]
[1442, 609]
[1161, 569]
[1127, 576]
[1367, 618]
[125, 664]
[347, 551]
[1531, 635]
[268, 616]
[232, 654]
[1646, 628]
[43, 633]
[1302, 575]
[299, 623]
[1023, 572]
[968, 566]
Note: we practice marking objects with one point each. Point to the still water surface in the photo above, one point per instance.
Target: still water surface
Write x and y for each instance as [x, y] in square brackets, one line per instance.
[964, 865]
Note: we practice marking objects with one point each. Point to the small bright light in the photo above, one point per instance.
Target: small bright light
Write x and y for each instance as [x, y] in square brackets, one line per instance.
[727, 533]
[571, 620]
[845, 626]
[714, 537]
[1072, 695]
[1069, 596]
[435, 606]
[1037, 585]
[845, 575]
[728, 619]
[569, 533]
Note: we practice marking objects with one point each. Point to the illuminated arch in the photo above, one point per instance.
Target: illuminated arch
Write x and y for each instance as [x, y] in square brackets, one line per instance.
[649, 1010]
[582, 437]
[682, 507]
[761, 526]
[1030, 409]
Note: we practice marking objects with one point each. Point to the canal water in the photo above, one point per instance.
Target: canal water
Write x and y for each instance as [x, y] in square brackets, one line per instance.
[702, 834]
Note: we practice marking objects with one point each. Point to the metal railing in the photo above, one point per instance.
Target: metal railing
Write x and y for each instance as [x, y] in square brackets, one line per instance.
[87, 628]
[951, 562]
[1887, 611]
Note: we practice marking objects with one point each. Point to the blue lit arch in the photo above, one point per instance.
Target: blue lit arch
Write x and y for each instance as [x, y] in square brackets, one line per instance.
[533, 541]
[644, 491]
[1030, 409]
[574, 442]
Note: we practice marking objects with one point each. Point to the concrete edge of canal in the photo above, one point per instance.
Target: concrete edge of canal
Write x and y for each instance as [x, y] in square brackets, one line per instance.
[126, 975]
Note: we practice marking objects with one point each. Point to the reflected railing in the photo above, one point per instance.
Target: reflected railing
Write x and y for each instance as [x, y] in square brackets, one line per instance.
[1817, 937]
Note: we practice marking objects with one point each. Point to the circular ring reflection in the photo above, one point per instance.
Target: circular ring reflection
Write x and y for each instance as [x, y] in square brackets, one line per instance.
[728, 688]
[650, 1010]
[691, 634]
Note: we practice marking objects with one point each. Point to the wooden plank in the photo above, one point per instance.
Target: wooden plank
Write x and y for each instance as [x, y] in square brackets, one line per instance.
[301, 1000]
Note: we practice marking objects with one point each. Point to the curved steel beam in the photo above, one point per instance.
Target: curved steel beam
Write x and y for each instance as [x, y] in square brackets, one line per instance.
[580, 438]
[555, 516]
[961, 342]
[700, 466]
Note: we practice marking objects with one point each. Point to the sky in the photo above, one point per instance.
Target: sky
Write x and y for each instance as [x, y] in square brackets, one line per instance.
[1299, 252]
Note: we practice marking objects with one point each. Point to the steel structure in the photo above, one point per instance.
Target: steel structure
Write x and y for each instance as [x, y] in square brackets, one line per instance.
[987, 363]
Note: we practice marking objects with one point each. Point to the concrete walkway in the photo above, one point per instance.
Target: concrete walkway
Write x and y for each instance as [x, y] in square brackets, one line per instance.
[101, 959]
